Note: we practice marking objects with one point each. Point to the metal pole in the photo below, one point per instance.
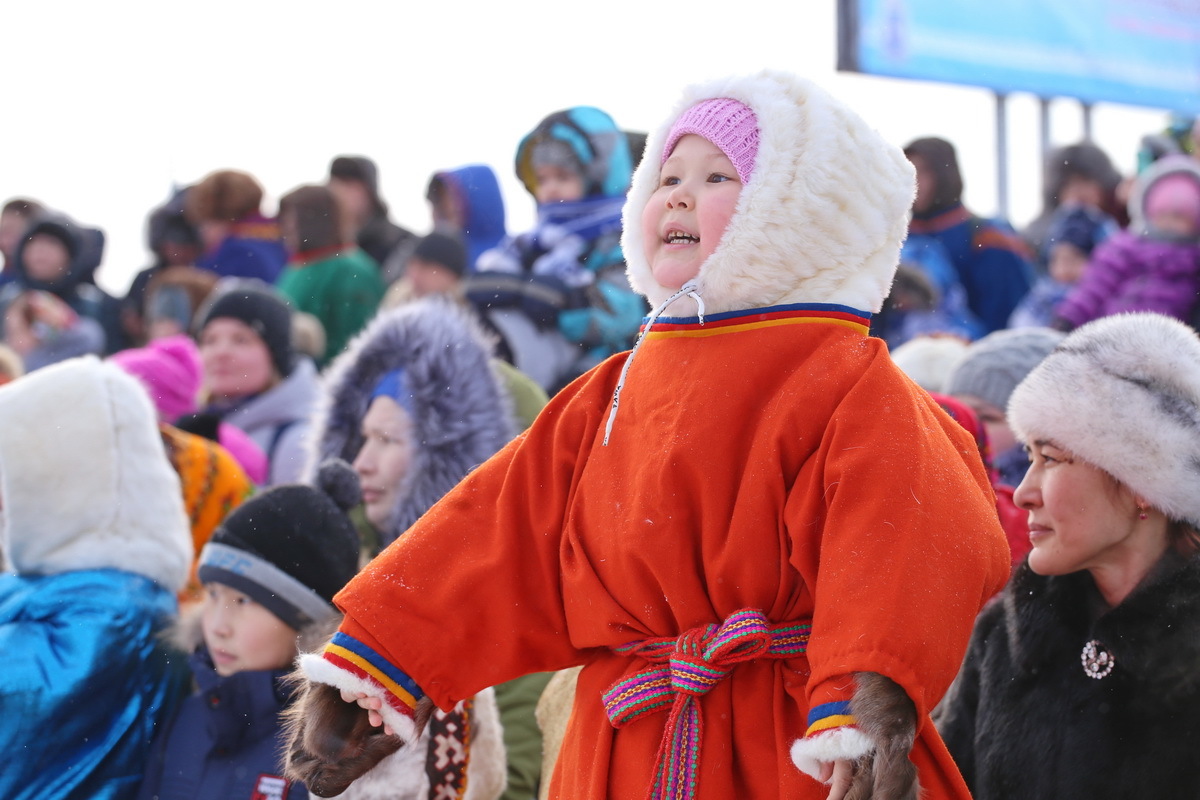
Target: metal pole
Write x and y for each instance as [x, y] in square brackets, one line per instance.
[1002, 155]
[1044, 133]
[1087, 120]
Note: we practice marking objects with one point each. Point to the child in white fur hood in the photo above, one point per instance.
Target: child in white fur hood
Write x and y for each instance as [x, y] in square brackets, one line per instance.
[96, 545]
[702, 523]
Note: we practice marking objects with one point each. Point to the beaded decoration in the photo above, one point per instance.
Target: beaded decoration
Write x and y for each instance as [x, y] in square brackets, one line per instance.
[1098, 662]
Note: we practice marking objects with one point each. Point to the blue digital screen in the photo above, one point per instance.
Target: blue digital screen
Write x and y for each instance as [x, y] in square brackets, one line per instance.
[1136, 52]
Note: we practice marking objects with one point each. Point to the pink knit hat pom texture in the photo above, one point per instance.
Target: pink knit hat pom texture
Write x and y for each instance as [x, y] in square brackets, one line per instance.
[729, 124]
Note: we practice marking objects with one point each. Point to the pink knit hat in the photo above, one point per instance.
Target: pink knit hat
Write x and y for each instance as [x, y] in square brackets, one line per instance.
[1177, 191]
[730, 125]
[170, 369]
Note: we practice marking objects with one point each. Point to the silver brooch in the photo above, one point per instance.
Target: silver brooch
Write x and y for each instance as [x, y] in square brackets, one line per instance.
[1097, 661]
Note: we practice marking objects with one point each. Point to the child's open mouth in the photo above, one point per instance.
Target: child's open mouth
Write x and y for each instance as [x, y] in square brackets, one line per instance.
[679, 237]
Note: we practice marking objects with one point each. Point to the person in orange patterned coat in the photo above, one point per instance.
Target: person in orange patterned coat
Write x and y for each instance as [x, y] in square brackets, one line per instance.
[765, 545]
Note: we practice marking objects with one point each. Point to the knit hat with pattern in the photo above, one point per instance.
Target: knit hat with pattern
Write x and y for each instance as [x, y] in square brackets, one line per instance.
[730, 125]
[290, 548]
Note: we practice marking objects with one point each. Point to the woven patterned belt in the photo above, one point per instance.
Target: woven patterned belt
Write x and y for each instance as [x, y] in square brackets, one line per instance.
[685, 668]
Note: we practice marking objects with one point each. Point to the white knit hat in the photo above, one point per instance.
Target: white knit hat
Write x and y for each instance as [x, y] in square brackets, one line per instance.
[1123, 394]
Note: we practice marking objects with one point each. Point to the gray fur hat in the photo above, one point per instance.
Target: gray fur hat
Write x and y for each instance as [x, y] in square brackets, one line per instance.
[993, 366]
[1123, 393]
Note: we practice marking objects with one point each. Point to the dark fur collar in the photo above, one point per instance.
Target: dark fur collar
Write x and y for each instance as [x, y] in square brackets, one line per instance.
[1154, 634]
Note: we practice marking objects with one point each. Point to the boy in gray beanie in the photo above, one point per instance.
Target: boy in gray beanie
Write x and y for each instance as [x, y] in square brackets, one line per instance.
[985, 377]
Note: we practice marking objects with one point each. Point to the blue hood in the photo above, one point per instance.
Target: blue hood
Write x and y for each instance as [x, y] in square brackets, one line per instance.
[482, 207]
[601, 147]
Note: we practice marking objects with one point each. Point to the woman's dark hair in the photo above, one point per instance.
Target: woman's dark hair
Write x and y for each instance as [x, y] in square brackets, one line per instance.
[317, 215]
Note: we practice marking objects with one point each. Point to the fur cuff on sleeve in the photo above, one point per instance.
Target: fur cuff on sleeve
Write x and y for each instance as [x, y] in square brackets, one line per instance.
[831, 745]
[317, 669]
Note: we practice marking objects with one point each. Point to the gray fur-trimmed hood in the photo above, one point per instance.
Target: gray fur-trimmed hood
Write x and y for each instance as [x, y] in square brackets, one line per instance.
[461, 414]
[821, 220]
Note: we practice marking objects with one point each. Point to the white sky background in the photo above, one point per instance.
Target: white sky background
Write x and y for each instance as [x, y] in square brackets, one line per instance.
[107, 105]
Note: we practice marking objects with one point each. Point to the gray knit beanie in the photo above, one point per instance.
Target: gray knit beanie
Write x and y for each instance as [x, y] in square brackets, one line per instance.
[993, 366]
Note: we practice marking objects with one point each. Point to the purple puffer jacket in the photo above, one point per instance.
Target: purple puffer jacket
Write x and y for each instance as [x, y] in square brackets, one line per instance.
[1135, 273]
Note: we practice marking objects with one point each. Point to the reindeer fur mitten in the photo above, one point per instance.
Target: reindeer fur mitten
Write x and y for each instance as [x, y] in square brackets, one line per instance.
[330, 742]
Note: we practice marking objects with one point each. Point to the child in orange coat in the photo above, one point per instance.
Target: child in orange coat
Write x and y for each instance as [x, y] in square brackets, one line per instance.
[765, 544]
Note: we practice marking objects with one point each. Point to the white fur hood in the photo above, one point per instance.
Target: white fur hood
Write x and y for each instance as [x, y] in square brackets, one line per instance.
[821, 220]
[84, 477]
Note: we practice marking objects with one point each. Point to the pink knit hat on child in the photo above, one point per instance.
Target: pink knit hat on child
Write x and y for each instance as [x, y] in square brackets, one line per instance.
[730, 125]
[170, 369]
[1178, 192]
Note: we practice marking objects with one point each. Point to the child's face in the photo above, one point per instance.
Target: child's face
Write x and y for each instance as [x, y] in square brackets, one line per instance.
[557, 184]
[242, 635]
[385, 458]
[1067, 262]
[683, 223]
[46, 258]
[429, 277]
[1174, 221]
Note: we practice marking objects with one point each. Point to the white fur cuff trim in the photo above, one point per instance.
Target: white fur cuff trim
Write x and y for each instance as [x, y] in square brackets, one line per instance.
[319, 670]
[839, 743]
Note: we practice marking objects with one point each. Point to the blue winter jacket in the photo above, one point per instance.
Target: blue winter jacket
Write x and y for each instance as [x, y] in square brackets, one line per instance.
[225, 741]
[990, 258]
[93, 665]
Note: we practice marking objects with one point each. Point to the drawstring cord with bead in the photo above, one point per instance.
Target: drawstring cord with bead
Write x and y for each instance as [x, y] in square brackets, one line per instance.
[689, 290]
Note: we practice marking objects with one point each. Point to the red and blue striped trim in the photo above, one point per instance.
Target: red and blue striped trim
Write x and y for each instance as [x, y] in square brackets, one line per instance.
[771, 316]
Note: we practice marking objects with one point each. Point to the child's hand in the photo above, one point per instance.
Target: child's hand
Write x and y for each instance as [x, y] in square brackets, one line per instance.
[373, 705]
[837, 775]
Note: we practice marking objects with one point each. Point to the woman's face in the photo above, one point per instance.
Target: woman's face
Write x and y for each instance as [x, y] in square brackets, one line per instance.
[236, 360]
[385, 458]
[1079, 517]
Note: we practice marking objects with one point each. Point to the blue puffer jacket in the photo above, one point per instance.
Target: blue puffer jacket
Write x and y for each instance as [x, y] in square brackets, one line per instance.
[96, 544]
[84, 732]
[225, 741]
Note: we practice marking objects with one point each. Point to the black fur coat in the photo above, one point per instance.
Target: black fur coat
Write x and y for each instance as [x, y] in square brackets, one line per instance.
[1024, 720]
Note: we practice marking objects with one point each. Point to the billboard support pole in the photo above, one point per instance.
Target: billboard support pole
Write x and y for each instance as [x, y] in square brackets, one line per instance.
[1087, 120]
[1044, 132]
[1002, 155]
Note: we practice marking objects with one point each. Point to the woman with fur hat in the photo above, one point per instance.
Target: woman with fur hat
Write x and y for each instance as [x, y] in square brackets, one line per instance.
[1081, 680]
[700, 522]
[96, 546]
[239, 242]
